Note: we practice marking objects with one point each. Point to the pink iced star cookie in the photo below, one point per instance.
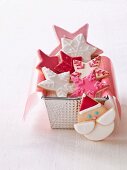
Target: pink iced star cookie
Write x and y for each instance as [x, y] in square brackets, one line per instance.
[89, 85]
[60, 83]
[84, 69]
[62, 33]
[67, 63]
[46, 61]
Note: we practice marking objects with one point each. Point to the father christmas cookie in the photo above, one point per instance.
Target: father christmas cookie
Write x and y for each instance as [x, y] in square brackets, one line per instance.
[95, 121]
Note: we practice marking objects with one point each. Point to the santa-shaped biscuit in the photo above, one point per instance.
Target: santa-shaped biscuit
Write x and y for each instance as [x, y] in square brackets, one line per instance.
[95, 120]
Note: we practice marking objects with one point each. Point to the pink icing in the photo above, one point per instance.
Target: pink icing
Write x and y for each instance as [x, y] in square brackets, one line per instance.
[88, 85]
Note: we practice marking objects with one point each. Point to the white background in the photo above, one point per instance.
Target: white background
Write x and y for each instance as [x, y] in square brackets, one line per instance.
[26, 26]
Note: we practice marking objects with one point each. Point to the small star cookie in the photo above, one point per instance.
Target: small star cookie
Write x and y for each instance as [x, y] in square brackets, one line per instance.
[84, 69]
[57, 82]
[78, 47]
[66, 63]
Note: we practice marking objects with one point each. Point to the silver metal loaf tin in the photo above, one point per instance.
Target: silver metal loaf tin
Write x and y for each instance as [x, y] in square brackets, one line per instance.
[62, 112]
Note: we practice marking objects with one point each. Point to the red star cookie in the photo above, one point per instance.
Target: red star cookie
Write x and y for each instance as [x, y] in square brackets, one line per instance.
[88, 85]
[67, 63]
[46, 61]
[62, 33]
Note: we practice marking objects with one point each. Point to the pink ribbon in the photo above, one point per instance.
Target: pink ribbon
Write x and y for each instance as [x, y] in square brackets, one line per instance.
[106, 64]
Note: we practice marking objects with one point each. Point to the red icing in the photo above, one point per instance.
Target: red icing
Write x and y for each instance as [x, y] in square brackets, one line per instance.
[87, 102]
[67, 63]
[46, 61]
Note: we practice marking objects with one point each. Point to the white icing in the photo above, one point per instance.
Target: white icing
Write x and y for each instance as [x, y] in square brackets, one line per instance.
[84, 127]
[48, 73]
[100, 132]
[78, 47]
[107, 118]
[91, 108]
[47, 84]
[84, 95]
[84, 71]
[57, 82]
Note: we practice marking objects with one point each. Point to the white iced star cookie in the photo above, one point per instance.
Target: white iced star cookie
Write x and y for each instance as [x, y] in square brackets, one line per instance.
[57, 82]
[78, 47]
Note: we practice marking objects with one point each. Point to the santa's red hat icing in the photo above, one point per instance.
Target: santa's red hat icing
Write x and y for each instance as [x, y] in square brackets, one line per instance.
[88, 104]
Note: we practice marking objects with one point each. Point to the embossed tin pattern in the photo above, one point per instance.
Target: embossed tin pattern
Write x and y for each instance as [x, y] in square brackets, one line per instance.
[62, 112]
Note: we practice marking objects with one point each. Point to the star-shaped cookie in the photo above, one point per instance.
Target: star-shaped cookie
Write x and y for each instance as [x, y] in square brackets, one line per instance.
[78, 47]
[67, 63]
[61, 33]
[89, 85]
[84, 69]
[46, 61]
[60, 83]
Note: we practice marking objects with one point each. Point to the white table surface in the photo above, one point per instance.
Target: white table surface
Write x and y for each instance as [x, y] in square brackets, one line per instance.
[25, 26]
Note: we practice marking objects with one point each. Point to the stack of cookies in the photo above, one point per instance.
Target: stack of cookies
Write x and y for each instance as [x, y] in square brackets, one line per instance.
[74, 67]
[74, 70]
